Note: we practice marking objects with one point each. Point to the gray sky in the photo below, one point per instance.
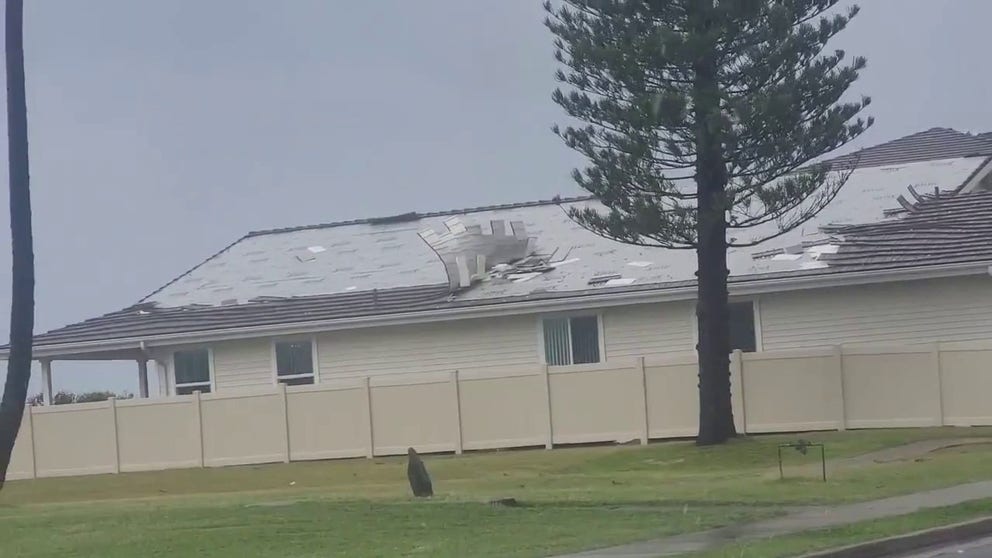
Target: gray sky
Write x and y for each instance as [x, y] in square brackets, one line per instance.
[162, 131]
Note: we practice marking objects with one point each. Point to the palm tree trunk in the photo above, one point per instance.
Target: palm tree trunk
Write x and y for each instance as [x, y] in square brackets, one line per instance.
[22, 280]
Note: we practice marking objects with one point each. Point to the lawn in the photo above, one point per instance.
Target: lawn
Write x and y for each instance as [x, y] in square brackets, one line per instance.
[812, 541]
[571, 498]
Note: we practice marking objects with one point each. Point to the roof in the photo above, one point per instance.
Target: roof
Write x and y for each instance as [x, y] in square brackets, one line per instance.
[933, 231]
[935, 143]
[150, 320]
[382, 266]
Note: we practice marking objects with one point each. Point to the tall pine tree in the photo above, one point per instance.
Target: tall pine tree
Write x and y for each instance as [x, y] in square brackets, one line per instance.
[699, 121]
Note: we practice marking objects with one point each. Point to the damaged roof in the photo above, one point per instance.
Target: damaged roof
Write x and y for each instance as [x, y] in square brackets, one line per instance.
[934, 230]
[383, 266]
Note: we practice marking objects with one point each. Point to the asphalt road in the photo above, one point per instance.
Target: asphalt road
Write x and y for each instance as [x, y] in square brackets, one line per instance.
[981, 548]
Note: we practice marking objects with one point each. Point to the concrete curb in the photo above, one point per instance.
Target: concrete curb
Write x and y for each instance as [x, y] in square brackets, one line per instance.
[920, 540]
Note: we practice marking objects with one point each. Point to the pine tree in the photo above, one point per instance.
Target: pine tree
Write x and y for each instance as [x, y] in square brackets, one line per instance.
[22, 300]
[699, 119]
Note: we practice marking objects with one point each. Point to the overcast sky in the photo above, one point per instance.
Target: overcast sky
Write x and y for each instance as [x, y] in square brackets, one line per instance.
[162, 131]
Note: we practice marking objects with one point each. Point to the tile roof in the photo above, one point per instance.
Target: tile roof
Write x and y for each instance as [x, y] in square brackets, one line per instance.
[380, 266]
[935, 143]
[932, 231]
[150, 320]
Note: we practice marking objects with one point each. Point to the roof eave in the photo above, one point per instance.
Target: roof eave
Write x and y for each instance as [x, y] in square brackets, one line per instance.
[740, 286]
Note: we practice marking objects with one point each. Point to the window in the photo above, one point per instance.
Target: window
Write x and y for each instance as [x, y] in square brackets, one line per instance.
[192, 371]
[294, 362]
[573, 340]
[742, 327]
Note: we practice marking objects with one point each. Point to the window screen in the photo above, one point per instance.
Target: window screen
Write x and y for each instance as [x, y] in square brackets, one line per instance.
[742, 327]
[192, 371]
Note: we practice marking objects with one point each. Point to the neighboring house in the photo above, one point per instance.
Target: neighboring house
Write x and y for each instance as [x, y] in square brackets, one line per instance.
[901, 255]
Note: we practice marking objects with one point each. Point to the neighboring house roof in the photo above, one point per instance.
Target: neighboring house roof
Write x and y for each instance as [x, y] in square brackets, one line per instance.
[935, 143]
[933, 231]
[378, 267]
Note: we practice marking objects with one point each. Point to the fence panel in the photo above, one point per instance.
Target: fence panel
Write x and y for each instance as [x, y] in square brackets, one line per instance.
[327, 421]
[243, 428]
[74, 439]
[22, 460]
[595, 402]
[673, 399]
[967, 383]
[890, 387]
[417, 411]
[791, 391]
[503, 411]
[158, 434]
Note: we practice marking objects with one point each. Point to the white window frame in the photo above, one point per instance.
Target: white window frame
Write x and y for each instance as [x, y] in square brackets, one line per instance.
[600, 333]
[173, 388]
[314, 353]
[755, 307]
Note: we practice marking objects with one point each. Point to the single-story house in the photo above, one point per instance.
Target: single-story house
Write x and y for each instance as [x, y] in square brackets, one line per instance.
[901, 255]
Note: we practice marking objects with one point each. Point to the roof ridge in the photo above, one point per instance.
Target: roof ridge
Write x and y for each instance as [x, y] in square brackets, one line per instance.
[413, 216]
[928, 145]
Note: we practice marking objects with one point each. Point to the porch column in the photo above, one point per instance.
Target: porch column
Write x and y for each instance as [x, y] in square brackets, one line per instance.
[143, 378]
[46, 381]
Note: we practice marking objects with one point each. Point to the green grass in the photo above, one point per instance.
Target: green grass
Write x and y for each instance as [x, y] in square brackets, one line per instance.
[573, 498]
[812, 541]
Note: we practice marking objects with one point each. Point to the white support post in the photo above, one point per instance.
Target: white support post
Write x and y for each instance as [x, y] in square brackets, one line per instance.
[46, 381]
[163, 378]
[143, 378]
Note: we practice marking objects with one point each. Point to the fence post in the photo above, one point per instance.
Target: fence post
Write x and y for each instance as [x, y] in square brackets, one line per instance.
[367, 389]
[939, 379]
[643, 383]
[198, 417]
[284, 402]
[34, 458]
[456, 391]
[549, 441]
[112, 405]
[737, 385]
[838, 361]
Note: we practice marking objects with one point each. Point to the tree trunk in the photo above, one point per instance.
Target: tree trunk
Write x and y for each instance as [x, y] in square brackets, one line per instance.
[716, 420]
[22, 280]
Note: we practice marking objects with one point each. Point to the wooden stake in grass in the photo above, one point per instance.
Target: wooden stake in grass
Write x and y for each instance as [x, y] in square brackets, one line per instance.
[416, 472]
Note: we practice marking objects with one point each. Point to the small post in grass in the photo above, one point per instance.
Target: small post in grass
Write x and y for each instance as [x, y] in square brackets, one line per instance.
[802, 446]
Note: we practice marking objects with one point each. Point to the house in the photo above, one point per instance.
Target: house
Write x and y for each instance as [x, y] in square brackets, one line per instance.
[901, 255]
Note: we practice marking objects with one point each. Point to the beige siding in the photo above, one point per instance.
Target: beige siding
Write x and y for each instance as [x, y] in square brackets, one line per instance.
[648, 329]
[912, 312]
[462, 345]
[239, 364]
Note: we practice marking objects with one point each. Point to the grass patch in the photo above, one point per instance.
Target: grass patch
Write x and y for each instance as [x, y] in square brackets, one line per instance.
[344, 528]
[574, 498]
[812, 541]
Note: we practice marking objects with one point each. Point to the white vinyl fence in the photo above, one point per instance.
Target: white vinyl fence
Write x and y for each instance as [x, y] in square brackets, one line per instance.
[451, 411]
